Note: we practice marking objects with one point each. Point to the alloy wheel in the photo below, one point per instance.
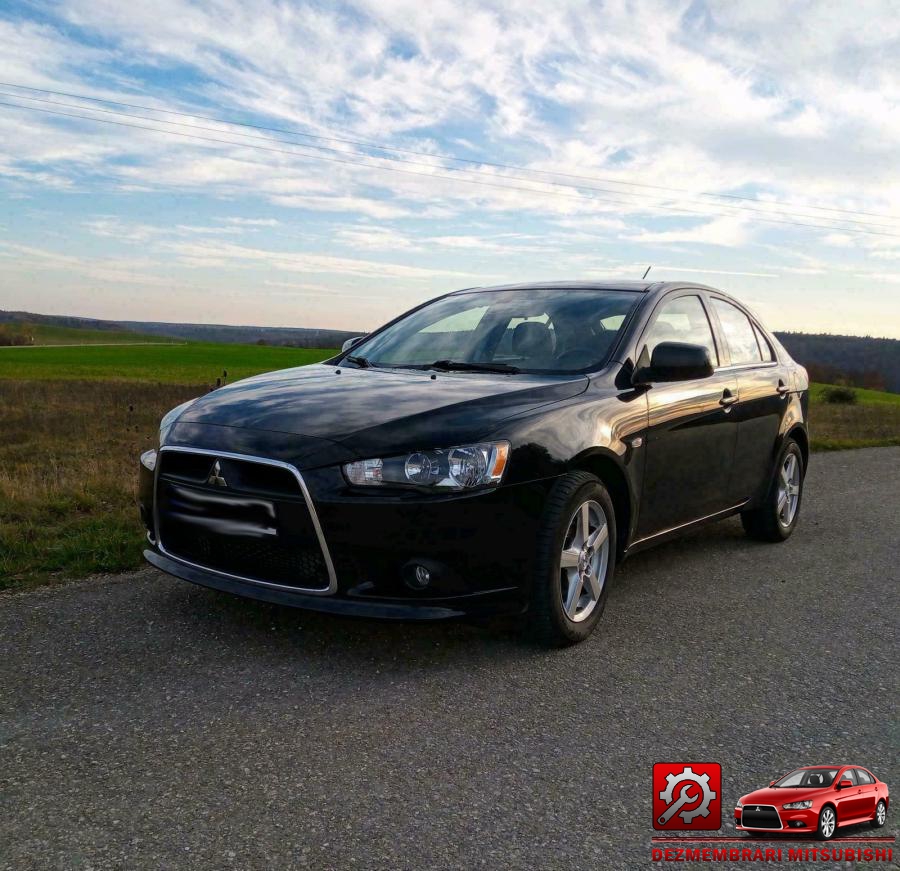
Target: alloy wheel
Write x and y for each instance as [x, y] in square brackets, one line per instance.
[583, 561]
[826, 822]
[881, 813]
[788, 490]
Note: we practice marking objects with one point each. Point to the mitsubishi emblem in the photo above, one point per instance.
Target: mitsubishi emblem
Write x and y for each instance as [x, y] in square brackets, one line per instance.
[215, 476]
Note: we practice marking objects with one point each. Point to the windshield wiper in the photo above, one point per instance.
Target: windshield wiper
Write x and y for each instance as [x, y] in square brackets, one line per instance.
[362, 362]
[459, 366]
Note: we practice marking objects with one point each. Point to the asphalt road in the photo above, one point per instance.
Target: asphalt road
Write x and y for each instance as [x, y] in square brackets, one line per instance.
[148, 723]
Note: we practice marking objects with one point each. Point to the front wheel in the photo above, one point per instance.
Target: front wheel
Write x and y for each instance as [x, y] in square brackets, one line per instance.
[775, 519]
[880, 814]
[827, 824]
[576, 556]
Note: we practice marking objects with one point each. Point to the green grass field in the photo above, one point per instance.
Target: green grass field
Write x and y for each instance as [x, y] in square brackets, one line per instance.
[186, 363]
[73, 421]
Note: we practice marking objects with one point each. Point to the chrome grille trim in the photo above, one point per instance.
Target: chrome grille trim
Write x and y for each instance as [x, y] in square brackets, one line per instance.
[330, 590]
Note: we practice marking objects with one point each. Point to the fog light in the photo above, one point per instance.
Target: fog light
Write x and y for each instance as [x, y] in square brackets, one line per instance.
[419, 578]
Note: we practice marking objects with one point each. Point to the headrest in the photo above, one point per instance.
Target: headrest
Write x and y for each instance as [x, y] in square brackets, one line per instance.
[532, 339]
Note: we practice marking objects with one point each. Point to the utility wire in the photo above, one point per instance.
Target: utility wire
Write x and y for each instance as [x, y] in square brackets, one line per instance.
[269, 139]
[376, 146]
[454, 178]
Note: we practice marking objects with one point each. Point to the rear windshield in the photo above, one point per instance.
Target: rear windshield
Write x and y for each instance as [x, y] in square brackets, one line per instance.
[540, 330]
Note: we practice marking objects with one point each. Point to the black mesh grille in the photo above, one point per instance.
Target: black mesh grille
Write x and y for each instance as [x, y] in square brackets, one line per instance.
[257, 525]
[761, 816]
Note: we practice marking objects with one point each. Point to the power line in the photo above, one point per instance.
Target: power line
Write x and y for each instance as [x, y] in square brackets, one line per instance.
[395, 149]
[269, 139]
[454, 178]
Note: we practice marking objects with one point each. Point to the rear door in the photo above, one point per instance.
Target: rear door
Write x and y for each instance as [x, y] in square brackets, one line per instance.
[763, 386]
[867, 794]
[691, 434]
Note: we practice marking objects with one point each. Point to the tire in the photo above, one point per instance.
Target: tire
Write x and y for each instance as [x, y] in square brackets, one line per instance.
[771, 521]
[880, 814]
[827, 823]
[550, 623]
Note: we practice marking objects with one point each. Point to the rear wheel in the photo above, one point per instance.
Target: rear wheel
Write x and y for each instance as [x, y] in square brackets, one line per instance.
[880, 814]
[575, 561]
[774, 520]
[827, 824]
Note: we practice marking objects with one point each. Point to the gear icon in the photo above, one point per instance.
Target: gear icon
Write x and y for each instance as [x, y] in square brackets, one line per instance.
[688, 776]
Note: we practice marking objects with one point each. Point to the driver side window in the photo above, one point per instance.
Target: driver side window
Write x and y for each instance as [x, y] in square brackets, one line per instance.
[849, 775]
[684, 320]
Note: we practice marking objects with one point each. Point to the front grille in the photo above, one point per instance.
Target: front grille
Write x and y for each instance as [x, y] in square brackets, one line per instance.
[246, 519]
[760, 816]
[244, 476]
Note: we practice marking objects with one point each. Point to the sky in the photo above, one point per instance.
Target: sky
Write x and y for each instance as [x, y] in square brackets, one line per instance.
[751, 146]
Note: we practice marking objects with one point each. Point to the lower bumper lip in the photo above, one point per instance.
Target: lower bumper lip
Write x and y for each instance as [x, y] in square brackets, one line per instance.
[495, 603]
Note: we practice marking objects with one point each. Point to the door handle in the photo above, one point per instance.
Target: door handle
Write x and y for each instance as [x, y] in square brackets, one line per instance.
[782, 389]
[728, 399]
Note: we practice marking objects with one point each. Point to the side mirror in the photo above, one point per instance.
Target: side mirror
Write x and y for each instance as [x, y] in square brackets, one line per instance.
[675, 361]
[351, 342]
[845, 784]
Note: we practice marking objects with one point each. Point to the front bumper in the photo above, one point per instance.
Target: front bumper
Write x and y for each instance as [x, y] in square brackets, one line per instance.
[806, 820]
[478, 547]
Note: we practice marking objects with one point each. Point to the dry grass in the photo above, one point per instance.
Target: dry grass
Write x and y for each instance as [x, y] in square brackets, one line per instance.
[68, 472]
[835, 427]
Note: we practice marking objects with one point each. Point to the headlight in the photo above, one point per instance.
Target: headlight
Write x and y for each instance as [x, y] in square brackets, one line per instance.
[461, 468]
[738, 806]
[148, 460]
[797, 805]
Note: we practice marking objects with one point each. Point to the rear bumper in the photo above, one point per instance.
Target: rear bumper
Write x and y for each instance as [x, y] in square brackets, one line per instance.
[506, 602]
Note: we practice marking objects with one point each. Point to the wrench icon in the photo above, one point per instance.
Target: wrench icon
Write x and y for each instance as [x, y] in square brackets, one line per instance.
[672, 809]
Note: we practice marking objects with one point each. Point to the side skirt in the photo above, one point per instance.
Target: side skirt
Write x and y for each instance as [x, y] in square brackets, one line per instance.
[675, 531]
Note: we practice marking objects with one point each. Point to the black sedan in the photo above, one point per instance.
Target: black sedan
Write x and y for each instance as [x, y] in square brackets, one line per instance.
[493, 451]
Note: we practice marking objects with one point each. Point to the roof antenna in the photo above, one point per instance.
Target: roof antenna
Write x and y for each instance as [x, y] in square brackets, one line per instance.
[647, 272]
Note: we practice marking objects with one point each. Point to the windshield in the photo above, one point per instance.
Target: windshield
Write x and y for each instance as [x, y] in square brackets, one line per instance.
[537, 330]
[808, 777]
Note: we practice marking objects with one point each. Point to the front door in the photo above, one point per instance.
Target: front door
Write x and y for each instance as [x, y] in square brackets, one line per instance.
[691, 435]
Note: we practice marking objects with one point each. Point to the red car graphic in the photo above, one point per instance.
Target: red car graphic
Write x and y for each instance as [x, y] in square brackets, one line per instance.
[816, 799]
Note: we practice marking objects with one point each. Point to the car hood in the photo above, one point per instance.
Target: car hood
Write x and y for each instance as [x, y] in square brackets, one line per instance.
[376, 408]
[781, 796]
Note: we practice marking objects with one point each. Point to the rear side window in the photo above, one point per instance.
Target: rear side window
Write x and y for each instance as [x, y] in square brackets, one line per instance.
[739, 333]
[863, 776]
[765, 348]
[682, 320]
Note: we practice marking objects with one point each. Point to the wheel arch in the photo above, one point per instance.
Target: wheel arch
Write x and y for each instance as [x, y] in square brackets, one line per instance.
[799, 434]
[609, 470]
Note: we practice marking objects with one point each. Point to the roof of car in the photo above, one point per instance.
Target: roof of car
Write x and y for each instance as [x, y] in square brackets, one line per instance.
[635, 286]
[611, 284]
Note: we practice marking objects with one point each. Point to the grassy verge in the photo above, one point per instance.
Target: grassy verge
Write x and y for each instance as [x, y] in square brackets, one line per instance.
[69, 448]
[873, 420]
[68, 453]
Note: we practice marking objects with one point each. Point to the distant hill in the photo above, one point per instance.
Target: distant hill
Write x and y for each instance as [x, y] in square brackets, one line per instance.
[299, 337]
[858, 360]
